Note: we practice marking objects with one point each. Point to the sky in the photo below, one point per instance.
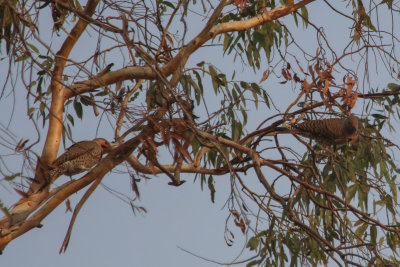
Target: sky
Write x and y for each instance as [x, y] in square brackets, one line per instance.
[108, 233]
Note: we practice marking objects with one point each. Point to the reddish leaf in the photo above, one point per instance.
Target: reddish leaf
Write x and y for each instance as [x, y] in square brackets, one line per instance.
[21, 144]
[235, 213]
[68, 206]
[353, 100]
[301, 69]
[265, 76]
[179, 148]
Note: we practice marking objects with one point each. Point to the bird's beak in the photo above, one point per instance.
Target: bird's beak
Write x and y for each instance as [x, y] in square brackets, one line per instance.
[106, 147]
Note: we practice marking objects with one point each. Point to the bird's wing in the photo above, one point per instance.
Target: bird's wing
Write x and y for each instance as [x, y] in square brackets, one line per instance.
[328, 128]
[75, 151]
[334, 128]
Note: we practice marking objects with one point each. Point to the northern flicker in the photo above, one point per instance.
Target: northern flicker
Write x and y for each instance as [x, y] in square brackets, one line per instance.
[328, 131]
[79, 157]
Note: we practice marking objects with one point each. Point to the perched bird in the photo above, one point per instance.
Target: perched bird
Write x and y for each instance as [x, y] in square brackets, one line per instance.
[326, 132]
[79, 157]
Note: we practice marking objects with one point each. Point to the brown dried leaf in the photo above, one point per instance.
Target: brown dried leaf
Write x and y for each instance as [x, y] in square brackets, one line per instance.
[301, 69]
[350, 85]
[330, 98]
[298, 190]
[180, 126]
[306, 87]
[143, 209]
[326, 88]
[244, 207]
[296, 78]
[235, 213]
[152, 146]
[120, 94]
[164, 129]
[118, 85]
[179, 148]
[68, 206]
[319, 86]
[135, 187]
[353, 100]
[310, 69]
[178, 136]
[170, 40]
[241, 4]
[21, 144]
[241, 225]
[326, 102]
[265, 76]
[317, 68]
[285, 75]
[156, 124]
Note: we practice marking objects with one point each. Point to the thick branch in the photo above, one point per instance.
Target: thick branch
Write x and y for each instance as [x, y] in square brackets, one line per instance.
[27, 205]
[57, 104]
[266, 16]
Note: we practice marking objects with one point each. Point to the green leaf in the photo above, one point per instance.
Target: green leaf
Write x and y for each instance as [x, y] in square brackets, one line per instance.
[393, 86]
[78, 5]
[236, 130]
[304, 13]
[211, 187]
[378, 116]
[373, 233]
[33, 47]
[169, 4]
[214, 78]
[227, 41]
[351, 192]
[86, 101]
[253, 263]
[202, 180]
[253, 243]
[368, 23]
[200, 64]
[104, 93]
[266, 98]
[4, 209]
[78, 109]
[22, 57]
[12, 177]
[360, 231]
[199, 93]
[244, 114]
[71, 119]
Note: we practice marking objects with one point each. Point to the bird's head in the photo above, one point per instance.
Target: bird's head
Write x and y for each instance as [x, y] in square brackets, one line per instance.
[105, 145]
[351, 125]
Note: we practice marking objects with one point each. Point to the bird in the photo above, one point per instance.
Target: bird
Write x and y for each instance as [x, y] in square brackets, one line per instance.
[79, 157]
[334, 131]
